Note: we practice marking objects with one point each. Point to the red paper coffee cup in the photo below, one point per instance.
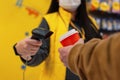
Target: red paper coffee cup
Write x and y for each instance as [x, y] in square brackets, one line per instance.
[69, 38]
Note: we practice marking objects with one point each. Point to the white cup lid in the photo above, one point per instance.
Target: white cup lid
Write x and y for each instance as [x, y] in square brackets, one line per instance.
[67, 34]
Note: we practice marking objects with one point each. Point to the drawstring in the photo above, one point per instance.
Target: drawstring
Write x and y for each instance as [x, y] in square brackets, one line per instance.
[82, 32]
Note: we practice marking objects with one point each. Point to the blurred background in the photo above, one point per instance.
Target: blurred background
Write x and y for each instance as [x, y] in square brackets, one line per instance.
[107, 15]
[19, 17]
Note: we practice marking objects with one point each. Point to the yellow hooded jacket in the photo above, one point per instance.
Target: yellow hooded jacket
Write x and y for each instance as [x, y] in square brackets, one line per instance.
[52, 68]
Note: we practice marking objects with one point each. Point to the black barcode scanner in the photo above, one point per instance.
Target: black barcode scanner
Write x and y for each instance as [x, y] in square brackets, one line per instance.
[41, 33]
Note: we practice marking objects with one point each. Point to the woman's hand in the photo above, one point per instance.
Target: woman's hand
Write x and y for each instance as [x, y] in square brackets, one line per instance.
[28, 47]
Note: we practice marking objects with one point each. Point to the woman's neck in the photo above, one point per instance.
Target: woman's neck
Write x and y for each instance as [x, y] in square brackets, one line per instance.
[73, 15]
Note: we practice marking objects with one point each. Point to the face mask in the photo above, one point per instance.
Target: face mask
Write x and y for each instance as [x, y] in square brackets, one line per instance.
[70, 5]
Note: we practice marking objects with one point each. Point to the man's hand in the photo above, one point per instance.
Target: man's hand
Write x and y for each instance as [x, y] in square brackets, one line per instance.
[64, 52]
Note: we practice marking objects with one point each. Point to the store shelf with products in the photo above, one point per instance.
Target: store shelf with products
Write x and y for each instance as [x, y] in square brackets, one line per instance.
[104, 14]
[107, 15]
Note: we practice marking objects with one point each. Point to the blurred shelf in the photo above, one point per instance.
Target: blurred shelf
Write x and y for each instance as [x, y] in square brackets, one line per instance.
[108, 31]
[103, 14]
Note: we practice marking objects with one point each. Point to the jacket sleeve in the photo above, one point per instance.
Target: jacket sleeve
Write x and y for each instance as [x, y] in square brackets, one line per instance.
[43, 52]
[96, 59]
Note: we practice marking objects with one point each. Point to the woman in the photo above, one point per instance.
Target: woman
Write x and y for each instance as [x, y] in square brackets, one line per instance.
[59, 20]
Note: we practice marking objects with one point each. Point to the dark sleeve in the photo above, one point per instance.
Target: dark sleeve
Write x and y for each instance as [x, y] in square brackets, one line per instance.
[43, 52]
